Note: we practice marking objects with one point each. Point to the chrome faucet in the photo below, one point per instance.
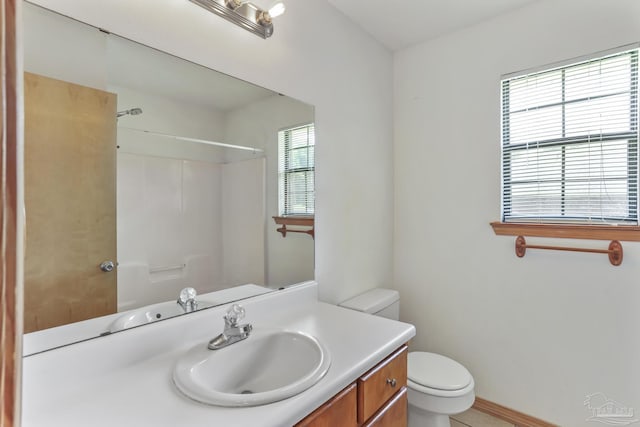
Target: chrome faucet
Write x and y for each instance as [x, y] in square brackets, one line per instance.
[233, 332]
[187, 300]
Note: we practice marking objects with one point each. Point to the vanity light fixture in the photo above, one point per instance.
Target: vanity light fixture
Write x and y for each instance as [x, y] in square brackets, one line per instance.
[245, 14]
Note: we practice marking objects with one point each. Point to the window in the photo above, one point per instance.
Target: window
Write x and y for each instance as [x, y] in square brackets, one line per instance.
[296, 170]
[570, 142]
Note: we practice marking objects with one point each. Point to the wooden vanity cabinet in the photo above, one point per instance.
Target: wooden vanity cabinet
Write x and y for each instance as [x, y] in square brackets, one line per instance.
[381, 383]
[378, 398]
[339, 411]
[393, 413]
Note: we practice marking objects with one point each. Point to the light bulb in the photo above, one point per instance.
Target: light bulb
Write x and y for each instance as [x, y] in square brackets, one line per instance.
[277, 9]
[233, 4]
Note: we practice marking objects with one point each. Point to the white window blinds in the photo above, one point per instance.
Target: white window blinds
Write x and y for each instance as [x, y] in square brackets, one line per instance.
[570, 143]
[296, 158]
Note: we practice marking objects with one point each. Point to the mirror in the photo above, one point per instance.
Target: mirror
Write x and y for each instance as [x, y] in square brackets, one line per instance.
[145, 174]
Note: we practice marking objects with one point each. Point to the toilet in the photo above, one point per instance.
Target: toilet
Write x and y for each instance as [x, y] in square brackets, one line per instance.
[436, 385]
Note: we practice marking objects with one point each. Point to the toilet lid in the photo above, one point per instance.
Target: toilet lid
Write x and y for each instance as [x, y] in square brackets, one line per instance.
[437, 371]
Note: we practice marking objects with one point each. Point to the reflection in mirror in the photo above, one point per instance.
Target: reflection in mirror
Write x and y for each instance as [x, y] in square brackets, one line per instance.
[145, 174]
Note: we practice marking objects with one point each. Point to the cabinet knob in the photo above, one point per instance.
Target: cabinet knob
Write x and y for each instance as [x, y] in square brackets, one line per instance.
[391, 381]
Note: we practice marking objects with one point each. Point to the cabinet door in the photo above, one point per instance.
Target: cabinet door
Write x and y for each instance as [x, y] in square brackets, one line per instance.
[70, 199]
[340, 411]
[393, 413]
[379, 384]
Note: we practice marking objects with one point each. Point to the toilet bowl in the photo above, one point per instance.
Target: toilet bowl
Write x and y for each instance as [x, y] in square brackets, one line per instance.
[437, 385]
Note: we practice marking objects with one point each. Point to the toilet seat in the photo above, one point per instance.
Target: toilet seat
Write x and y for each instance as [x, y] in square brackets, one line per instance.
[437, 375]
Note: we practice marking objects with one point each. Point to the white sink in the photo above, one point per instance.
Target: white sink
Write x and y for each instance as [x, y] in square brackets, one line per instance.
[269, 366]
[149, 314]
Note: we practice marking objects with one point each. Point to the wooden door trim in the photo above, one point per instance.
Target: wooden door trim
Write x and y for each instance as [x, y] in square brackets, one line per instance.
[10, 323]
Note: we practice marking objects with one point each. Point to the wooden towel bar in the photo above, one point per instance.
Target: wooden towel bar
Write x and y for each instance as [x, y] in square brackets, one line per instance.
[614, 251]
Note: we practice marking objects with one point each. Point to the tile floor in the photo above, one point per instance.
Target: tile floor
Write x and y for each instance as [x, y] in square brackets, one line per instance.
[474, 418]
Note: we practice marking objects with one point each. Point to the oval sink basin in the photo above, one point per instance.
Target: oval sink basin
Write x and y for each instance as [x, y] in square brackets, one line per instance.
[269, 366]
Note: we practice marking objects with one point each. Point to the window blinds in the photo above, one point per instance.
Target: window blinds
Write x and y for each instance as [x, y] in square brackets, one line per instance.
[570, 143]
[296, 159]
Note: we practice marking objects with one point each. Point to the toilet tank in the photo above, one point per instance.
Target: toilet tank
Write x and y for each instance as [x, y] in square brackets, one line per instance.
[379, 302]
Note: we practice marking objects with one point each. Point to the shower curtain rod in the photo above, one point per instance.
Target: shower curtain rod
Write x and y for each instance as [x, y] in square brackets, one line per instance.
[201, 141]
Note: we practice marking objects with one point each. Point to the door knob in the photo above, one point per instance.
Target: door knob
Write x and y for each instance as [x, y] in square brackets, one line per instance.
[107, 266]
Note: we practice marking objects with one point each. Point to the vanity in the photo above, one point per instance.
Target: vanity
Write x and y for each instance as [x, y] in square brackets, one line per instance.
[127, 378]
[378, 398]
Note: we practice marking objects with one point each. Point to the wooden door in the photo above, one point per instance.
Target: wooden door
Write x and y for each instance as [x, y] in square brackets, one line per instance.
[70, 201]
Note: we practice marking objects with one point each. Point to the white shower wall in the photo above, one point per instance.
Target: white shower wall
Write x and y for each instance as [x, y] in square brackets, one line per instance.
[172, 216]
[169, 222]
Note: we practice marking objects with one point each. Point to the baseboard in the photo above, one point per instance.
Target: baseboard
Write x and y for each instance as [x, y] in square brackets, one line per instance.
[507, 414]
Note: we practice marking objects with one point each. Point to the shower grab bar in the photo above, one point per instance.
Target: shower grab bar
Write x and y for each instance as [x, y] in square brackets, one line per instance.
[166, 268]
[614, 251]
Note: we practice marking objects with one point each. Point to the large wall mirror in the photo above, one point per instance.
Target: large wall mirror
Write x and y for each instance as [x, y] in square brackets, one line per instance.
[146, 174]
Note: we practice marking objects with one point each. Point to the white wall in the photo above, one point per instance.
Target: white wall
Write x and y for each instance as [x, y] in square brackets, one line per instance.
[243, 224]
[318, 56]
[290, 259]
[538, 333]
[85, 64]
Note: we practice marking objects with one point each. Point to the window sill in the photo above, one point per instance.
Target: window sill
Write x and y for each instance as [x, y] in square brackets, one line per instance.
[296, 221]
[627, 233]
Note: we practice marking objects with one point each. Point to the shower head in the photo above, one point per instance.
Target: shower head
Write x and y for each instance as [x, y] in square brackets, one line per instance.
[131, 111]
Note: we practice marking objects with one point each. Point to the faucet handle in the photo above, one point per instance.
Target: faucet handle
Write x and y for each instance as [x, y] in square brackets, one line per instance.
[234, 314]
[187, 294]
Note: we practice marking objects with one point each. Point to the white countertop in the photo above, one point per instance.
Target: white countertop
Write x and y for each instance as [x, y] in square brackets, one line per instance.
[124, 379]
